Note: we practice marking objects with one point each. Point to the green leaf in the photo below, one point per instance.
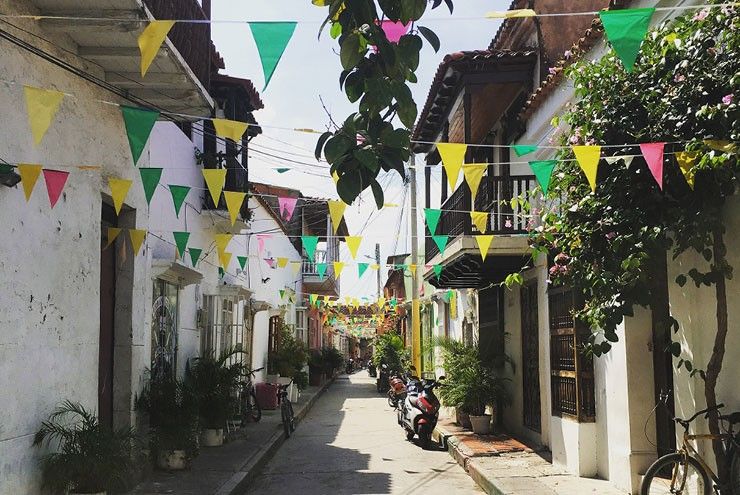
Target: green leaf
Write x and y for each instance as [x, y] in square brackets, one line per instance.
[368, 159]
[320, 144]
[350, 53]
[349, 186]
[675, 349]
[430, 36]
[412, 10]
[681, 280]
[336, 30]
[409, 46]
[337, 147]
[378, 194]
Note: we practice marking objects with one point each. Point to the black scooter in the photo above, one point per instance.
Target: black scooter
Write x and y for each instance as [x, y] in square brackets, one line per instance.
[420, 411]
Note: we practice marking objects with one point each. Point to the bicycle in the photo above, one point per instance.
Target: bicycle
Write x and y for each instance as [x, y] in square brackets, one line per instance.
[678, 465]
[249, 407]
[286, 409]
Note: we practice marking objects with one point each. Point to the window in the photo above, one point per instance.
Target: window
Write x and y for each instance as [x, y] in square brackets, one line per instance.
[572, 376]
[226, 324]
[164, 328]
[300, 325]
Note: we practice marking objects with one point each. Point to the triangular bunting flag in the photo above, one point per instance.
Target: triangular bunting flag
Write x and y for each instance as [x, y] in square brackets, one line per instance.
[338, 267]
[480, 220]
[336, 212]
[271, 38]
[55, 181]
[312, 298]
[215, 179]
[543, 172]
[150, 180]
[353, 244]
[412, 269]
[270, 262]
[524, 149]
[282, 262]
[611, 160]
[588, 160]
[113, 233]
[510, 14]
[281, 292]
[381, 302]
[230, 129]
[432, 218]
[625, 30]
[295, 267]
[287, 207]
[139, 123]
[309, 245]
[234, 201]
[137, 239]
[686, 161]
[453, 304]
[242, 262]
[321, 270]
[118, 191]
[453, 155]
[224, 259]
[42, 106]
[261, 242]
[195, 255]
[150, 40]
[441, 242]
[361, 269]
[484, 242]
[222, 242]
[473, 174]
[181, 241]
[282, 170]
[437, 270]
[653, 154]
[29, 175]
[179, 193]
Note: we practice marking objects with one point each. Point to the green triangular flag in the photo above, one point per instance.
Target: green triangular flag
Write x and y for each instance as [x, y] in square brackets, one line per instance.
[321, 268]
[394, 302]
[181, 240]
[221, 272]
[361, 269]
[271, 39]
[437, 270]
[178, 196]
[543, 171]
[282, 170]
[282, 293]
[441, 242]
[195, 255]
[524, 149]
[625, 30]
[139, 123]
[150, 179]
[309, 244]
[242, 261]
[447, 296]
[432, 217]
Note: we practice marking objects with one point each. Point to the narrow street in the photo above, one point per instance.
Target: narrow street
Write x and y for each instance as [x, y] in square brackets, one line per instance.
[350, 443]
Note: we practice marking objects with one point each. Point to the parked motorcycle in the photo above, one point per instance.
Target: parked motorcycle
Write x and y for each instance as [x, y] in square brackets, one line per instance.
[397, 390]
[420, 410]
[382, 382]
[350, 366]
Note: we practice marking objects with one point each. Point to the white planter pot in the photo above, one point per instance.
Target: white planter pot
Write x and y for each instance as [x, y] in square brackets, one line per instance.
[173, 460]
[481, 424]
[212, 437]
[293, 393]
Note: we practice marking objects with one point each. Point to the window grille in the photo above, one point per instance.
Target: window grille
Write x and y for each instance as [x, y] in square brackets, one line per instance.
[227, 324]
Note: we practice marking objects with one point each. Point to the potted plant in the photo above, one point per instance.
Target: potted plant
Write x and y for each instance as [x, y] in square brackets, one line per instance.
[214, 381]
[333, 360]
[289, 360]
[316, 368]
[90, 459]
[173, 420]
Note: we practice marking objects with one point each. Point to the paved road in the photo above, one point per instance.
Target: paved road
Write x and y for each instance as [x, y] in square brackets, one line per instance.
[350, 443]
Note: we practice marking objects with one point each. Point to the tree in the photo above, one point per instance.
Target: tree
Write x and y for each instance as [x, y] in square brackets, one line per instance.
[682, 91]
[376, 73]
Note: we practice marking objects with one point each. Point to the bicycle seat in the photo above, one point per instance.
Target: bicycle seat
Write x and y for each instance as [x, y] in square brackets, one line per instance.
[733, 418]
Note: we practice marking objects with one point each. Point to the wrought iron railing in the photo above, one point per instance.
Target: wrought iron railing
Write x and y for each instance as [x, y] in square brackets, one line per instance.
[309, 266]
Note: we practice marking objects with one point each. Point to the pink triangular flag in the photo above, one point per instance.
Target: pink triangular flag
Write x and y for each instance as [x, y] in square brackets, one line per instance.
[394, 30]
[653, 153]
[261, 242]
[270, 262]
[287, 206]
[55, 181]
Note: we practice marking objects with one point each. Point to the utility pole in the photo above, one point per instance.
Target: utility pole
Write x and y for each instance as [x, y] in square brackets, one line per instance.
[377, 273]
[415, 309]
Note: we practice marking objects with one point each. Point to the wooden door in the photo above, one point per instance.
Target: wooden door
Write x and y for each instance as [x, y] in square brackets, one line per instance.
[530, 358]
[107, 319]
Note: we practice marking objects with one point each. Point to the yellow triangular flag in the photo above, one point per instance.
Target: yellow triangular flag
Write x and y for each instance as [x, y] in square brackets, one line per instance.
[480, 220]
[473, 174]
[222, 242]
[338, 267]
[453, 155]
[137, 239]
[224, 259]
[510, 14]
[113, 233]
[336, 211]
[588, 159]
[42, 105]
[381, 302]
[215, 180]
[335, 177]
[412, 269]
[231, 129]
[29, 175]
[353, 244]
[686, 161]
[375, 266]
[118, 191]
[150, 40]
[484, 242]
[453, 304]
[282, 262]
[234, 202]
[295, 266]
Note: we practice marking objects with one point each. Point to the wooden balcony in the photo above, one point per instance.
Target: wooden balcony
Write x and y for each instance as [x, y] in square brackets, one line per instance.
[312, 282]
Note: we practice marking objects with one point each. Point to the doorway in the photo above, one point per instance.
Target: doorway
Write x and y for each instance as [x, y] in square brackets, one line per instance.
[530, 358]
[106, 344]
[665, 427]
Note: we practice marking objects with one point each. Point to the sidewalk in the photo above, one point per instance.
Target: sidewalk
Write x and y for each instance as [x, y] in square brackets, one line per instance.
[502, 466]
[228, 469]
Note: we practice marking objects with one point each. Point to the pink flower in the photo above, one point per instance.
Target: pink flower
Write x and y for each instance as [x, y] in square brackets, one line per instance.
[727, 99]
[610, 235]
[567, 54]
[679, 78]
[701, 15]
[508, 223]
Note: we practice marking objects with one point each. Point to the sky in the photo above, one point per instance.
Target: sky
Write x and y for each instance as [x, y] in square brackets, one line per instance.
[310, 69]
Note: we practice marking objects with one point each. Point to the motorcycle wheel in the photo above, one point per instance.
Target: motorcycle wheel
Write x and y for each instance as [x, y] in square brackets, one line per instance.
[409, 435]
[425, 437]
[392, 402]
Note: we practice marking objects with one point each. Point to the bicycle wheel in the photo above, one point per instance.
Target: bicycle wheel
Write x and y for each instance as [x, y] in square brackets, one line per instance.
[254, 408]
[672, 475]
[286, 420]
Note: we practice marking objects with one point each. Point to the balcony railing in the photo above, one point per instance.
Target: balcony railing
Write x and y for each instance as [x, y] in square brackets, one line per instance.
[309, 266]
[494, 196]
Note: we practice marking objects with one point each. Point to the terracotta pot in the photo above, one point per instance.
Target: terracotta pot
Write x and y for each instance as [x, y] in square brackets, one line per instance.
[173, 460]
[212, 437]
[463, 419]
[481, 424]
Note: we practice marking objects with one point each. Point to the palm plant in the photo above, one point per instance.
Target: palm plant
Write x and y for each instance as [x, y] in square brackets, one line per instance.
[91, 457]
[214, 381]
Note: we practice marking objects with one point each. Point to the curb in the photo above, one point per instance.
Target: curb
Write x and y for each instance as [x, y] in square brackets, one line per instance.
[466, 461]
[241, 479]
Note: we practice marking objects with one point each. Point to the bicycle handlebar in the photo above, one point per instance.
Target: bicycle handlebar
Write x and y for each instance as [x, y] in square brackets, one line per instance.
[685, 422]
